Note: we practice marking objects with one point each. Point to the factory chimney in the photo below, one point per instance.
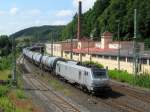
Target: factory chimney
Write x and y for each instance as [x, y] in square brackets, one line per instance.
[79, 20]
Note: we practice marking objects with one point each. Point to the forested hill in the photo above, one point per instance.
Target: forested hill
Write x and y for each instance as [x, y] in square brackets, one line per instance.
[41, 33]
[105, 14]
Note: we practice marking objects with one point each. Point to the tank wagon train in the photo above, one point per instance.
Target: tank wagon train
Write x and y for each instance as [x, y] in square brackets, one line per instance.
[91, 79]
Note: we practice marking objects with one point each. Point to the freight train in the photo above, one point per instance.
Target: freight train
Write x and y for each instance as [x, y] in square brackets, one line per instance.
[91, 79]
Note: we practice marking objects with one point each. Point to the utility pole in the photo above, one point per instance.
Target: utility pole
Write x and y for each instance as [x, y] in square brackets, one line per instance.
[14, 61]
[135, 58]
[42, 54]
[118, 44]
[88, 48]
[71, 48]
[52, 43]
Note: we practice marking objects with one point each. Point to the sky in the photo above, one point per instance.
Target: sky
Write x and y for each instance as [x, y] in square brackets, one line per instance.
[16, 15]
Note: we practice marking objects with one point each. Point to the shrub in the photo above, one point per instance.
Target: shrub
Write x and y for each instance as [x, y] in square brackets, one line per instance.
[141, 80]
[92, 64]
[6, 105]
[121, 76]
[3, 90]
[20, 94]
[5, 63]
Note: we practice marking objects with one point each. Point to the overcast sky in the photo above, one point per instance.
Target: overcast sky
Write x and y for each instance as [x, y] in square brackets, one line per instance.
[19, 14]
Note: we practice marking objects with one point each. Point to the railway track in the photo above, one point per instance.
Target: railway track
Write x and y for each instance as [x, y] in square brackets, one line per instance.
[132, 92]
[57, 102]
[122, 105]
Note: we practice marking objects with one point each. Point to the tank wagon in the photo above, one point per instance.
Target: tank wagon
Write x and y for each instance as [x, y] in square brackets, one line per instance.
[91, 79]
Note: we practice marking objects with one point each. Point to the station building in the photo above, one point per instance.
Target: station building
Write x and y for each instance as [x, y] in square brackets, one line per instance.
[104, 52]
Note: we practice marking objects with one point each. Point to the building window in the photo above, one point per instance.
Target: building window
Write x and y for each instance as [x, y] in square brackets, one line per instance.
[93, 55]
[77, 54]
[130, 59]
[122, 59]
[113, 57]
[99, 56]
[106, 57]
[83, 54]
[144, 61]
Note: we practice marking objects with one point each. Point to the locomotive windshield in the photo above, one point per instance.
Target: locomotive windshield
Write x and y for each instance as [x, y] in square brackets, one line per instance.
[99, 74]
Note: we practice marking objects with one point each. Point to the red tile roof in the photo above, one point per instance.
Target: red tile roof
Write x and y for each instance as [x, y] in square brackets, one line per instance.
[92, 50]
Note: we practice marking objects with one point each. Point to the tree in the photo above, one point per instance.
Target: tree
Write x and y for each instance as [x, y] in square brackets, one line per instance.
[104, 14]
[5, 45]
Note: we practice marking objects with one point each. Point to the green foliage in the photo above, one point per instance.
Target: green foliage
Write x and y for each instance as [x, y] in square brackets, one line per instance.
[5, 62]
[5, 75]
[5, 45]
[3, 90]
[141, 80]
[59, 87]
[104, 15]
[38, 34]
[20, 94]
[6, 104]
[92, 64]
[147, 44]
[121, 76]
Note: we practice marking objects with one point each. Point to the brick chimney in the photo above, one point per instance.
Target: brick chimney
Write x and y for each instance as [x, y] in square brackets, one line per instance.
[79, 20]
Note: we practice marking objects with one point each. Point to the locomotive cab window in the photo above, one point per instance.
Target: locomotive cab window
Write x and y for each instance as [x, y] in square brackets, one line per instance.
[99, 74]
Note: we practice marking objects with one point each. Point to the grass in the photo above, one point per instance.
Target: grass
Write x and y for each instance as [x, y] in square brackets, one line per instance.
[59, 87]
[6, 104]
[4, 75]
[141, 80]
[14, 100]
[5, 62]
[20, 94]
[3, 90]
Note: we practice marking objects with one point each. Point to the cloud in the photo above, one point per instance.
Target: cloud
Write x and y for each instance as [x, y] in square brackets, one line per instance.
[64, 13]
[13, 11]
[87, 4]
